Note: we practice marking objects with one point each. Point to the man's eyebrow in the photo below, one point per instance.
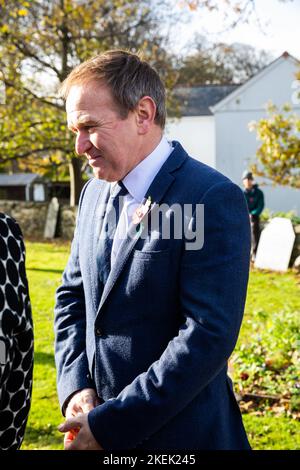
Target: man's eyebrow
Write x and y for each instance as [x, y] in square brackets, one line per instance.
[82, 123]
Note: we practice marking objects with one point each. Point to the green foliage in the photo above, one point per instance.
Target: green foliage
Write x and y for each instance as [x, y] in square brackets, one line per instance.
[262, 332]
[267, 215]
[266, 360]
[272, 433]
[40, 42]
[279, 153]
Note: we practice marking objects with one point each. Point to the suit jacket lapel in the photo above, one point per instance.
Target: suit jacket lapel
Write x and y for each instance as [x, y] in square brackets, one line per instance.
[98, 216]
[156, 191]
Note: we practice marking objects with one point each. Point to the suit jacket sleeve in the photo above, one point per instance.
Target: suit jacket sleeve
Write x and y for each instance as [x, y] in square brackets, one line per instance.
[70, 326]
[213, 286]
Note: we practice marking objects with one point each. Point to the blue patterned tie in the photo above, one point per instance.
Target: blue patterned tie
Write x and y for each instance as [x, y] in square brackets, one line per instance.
[109, 225]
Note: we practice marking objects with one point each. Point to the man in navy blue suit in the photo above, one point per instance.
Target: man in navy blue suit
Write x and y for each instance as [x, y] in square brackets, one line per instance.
[145, 322]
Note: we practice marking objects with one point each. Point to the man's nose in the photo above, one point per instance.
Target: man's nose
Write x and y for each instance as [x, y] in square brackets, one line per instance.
[82, 144]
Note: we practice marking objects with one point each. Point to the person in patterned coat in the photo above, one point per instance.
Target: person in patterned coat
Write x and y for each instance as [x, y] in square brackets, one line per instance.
[16, 336]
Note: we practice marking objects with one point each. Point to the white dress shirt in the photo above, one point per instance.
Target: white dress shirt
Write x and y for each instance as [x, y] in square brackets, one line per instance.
[137, 182]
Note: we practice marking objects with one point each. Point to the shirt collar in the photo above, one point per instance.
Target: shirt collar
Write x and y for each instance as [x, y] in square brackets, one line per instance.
[138, 180]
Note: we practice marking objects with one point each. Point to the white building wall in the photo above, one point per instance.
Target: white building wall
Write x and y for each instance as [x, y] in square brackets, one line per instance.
[235, 149]
[196, 135]
[275, 83]
[236, 145]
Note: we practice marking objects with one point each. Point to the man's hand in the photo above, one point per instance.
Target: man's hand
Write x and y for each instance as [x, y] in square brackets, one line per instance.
[82, 437]
[81, 402]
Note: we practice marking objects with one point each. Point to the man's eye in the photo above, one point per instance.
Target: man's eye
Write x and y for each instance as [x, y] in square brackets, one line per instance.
[85, 128]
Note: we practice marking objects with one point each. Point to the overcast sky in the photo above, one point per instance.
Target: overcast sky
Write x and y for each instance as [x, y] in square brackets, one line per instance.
[279, 31]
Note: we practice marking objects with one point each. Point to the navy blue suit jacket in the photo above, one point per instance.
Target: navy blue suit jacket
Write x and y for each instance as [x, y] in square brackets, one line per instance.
[155, 340]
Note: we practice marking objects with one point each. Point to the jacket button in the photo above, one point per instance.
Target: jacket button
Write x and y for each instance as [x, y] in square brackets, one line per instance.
[98, 332]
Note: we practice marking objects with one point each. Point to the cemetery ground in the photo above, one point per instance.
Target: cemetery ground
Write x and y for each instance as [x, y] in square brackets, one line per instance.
[264, 365]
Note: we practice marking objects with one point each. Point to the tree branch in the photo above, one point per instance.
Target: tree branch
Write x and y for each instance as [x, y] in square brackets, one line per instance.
[24, 49]
[39, 98]
[30, 153]
[12, 136]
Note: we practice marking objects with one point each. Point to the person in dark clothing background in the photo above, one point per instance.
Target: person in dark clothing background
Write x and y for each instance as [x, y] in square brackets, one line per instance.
[255, 201]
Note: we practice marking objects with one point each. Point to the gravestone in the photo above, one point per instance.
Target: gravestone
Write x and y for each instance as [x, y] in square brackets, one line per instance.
[275, 245]
[51, 220]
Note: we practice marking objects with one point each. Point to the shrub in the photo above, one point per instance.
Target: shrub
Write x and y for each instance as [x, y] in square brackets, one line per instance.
[267, 361]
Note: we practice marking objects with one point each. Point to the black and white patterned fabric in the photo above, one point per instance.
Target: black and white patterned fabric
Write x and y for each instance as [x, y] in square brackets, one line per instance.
[16, 336]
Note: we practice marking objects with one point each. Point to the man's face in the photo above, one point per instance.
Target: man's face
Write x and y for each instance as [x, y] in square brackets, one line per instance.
[248, 183]
[111, 144]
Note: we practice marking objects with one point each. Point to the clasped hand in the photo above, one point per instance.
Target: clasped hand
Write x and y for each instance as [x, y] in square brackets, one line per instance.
[78, 435]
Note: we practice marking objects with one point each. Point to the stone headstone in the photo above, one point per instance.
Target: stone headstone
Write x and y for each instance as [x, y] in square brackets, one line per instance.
[275, 245]
[51, 220]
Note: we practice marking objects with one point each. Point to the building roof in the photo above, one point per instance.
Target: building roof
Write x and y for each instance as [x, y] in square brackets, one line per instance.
[204, 100]
[18, 179]
[196, 101]
[235, 93]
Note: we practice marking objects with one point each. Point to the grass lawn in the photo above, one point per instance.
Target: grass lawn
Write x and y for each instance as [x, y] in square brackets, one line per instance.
[267, 292]
[44, 263]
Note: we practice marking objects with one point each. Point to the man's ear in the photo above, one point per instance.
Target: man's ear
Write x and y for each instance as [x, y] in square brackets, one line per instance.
[145, 114]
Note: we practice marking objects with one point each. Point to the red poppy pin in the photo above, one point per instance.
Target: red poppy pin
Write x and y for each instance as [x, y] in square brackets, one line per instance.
[141, 211]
